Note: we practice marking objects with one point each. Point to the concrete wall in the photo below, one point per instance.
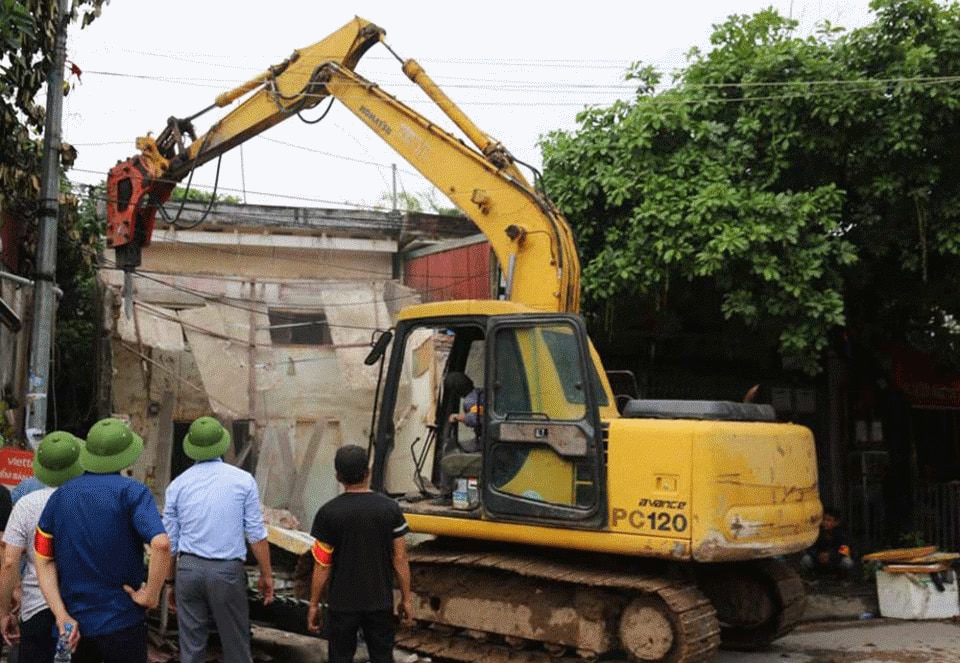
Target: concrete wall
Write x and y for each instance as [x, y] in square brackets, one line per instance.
[183, 354]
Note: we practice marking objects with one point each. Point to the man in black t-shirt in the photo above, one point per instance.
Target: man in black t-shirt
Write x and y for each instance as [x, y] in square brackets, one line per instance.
[359, 548]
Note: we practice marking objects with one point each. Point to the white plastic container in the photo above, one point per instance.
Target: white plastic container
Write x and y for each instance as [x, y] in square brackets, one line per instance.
[915, 596]
[465, 494]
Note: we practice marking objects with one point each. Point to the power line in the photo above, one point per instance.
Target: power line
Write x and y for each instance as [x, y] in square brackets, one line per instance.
[283, 196]
[478, 101]
[554, 87]
[388, 223]
[227, 300]
[394, 78]
[559, 63]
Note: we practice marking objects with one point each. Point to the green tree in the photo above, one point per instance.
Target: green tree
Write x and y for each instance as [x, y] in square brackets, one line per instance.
[76, 362]
[803, 183]
[425, 201]
[180, 193]
[28, 30]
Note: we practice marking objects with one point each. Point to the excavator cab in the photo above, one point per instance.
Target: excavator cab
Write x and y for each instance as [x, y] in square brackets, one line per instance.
[530, 435]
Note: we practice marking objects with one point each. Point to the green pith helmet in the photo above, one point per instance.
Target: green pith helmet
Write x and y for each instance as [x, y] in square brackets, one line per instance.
[57, 458]
[111, 447]
[207, 439]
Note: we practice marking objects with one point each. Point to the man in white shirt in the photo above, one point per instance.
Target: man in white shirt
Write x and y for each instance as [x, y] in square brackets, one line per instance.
[56, 460]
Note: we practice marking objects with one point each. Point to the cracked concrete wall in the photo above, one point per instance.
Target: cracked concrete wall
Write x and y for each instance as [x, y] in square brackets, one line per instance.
[173, 365]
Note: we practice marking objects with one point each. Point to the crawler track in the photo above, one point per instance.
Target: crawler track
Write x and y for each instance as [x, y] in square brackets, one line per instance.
[481, 604]
[757, 602]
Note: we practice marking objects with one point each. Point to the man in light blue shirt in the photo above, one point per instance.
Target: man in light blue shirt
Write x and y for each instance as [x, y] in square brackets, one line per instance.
[211, 512]
[26, 487]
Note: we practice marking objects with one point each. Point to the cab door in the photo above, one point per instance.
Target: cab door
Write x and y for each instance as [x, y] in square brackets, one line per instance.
[543, 455]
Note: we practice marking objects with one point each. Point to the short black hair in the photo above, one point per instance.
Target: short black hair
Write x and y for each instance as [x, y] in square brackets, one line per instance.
[351, 464]
[831, 511]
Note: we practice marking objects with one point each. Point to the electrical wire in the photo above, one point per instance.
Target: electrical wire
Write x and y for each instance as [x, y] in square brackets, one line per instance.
[227, 300]
[552, 88]
[559, 63]
[342, 157]
[386, 224]
[357, 206]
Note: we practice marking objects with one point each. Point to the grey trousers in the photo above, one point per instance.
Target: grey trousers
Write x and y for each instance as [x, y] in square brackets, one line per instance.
[206, 588]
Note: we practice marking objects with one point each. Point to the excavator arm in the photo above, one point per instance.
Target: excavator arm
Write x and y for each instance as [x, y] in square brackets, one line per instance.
[528, 234]
[139, 186]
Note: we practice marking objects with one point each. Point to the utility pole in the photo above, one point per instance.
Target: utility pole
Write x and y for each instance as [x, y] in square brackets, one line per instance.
[44, 302]
[393, 168]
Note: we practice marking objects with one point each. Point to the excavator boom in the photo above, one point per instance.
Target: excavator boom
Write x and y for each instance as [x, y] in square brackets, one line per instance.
[528, 234]
[138, 187]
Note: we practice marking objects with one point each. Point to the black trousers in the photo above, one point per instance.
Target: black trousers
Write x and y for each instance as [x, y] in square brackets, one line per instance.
[37, 644]
[126, 646]
[342, 628]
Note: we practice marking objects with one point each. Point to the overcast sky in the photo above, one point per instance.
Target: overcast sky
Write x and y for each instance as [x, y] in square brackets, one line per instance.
[518, 68]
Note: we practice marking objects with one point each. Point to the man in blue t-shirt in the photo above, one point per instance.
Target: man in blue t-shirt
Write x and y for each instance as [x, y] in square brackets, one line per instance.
[89, 548]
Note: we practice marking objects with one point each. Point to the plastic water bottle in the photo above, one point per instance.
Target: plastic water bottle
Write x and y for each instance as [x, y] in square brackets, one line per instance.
[64, 655]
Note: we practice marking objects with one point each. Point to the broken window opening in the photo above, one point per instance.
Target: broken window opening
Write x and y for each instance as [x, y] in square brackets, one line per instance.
[299, 328]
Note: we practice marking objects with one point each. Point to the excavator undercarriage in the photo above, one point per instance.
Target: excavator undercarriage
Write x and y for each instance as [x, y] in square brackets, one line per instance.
[477, 602]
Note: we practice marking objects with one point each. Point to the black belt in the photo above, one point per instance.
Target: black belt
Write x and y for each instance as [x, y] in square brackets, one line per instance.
[211, 559]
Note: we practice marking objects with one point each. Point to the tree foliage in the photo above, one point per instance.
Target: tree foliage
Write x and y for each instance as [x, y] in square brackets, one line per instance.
[28, 30]
[806, 180]
[74, 381]
[424, 201]
[180, 193]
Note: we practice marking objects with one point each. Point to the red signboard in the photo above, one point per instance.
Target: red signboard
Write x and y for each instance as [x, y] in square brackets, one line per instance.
[15, 465]
[922, 382]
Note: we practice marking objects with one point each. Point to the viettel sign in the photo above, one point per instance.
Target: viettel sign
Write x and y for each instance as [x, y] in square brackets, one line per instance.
[15, 465]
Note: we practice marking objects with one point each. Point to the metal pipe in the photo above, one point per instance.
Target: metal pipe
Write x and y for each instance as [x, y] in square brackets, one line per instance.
[27, 282]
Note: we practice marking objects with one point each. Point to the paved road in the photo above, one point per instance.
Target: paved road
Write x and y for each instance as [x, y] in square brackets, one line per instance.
[870, 641]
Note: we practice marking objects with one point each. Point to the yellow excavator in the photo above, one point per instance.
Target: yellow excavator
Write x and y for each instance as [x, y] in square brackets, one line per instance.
[563, 523]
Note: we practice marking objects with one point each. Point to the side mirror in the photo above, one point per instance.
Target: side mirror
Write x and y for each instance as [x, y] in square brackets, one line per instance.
[379, 347]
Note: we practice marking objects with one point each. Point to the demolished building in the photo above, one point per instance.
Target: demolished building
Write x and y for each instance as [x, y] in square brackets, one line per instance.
[260, 316]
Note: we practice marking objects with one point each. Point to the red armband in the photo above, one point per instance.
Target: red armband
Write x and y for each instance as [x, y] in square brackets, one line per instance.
[43, 544]
[322, 553]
